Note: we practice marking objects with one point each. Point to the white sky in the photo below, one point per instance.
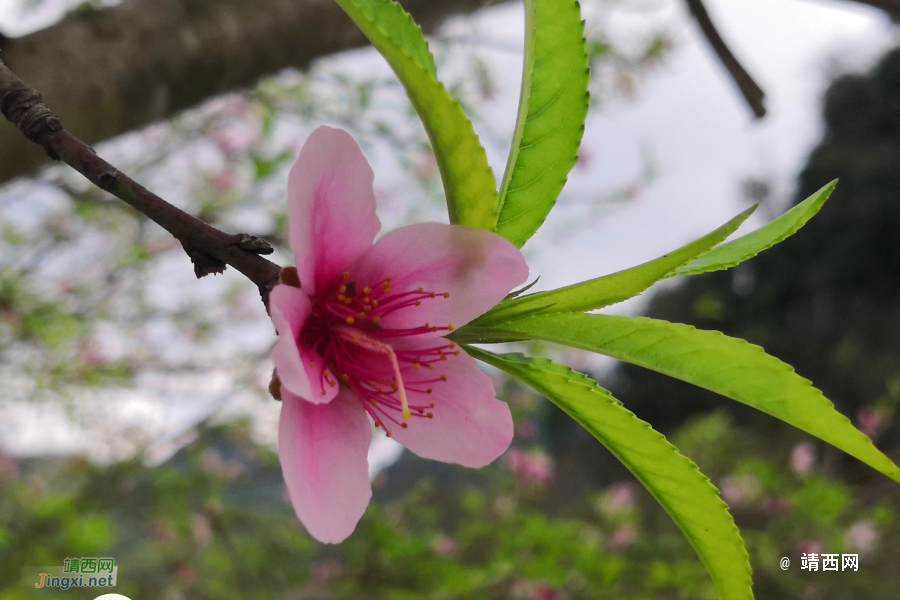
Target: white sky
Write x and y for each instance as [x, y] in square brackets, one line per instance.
[687, 115]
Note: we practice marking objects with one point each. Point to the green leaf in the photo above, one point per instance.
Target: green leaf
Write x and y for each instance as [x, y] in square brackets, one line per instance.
[728, 366]
[552, 107]
[469, 182]
[603, 291]
[673, 479]
[748, 246]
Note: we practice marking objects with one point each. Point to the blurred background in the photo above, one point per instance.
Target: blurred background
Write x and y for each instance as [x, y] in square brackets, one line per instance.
[134, 417]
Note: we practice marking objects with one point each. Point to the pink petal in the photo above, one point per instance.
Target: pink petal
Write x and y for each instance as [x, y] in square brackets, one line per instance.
[477, 268]
[299, 368]
[323, 451]
[331, 207]
[470, 426]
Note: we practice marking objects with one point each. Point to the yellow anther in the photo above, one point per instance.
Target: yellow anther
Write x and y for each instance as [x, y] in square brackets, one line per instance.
[427, 326]
[431, 366]
[431, 404]
[446, 294]
[421, 289]
[443, 378]
[452, 345]
[416, 365]
[443, 357]
[361, 315]
[433, 294]
[427, 390]
[342, 289]
[451, 327]
[377, 424]
[404, 425]
[376, 319]
[348, 300]
[367, 290]
[373, 401]
[388, 433]
[430, 416]
[420, 411]
[346, 274]
[367, 300]
[350, 320]
[345, 378]
[374, 302]
[367, 308]
[342, 297]
[456, 353]
[418, 303]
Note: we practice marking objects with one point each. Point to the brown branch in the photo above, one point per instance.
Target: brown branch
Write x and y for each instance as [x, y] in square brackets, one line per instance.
[112, 70]
[209, 248]
[752, 93]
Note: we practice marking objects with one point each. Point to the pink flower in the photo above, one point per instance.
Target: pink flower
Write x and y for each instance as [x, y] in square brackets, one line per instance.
[362, 337]
[803, 458]
[531, 468]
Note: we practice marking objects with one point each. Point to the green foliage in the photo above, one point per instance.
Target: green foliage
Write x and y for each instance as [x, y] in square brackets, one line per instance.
[552, 108]
[748, 246]
[603, 291]
[469, 182]
[709, 359]
[676, 483]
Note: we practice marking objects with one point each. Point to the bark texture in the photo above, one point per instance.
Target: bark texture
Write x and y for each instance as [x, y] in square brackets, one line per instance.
[110, 71]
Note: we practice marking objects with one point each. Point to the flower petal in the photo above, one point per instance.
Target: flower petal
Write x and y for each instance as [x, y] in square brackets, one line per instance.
[299, 368]
[331, 207]
[323, 451]
[477, 268]
[470, 426]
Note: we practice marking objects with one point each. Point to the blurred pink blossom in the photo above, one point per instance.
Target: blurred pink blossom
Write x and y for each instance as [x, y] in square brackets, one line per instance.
[236, 138]
[862, 536]
[776, 505]
[224, 181]
[526, 429]
[443, 545]
[619, 498]
[623, 537]
[803, 458]
[811, 547]
[871, 421]
[743, 489]
[531, 468]
[546, 592]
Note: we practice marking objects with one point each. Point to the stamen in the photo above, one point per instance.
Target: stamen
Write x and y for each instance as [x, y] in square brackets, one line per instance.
[367, 343]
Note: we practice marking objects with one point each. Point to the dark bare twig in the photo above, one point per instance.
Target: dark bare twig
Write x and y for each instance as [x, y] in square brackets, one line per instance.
[209, 248]
[752, 93]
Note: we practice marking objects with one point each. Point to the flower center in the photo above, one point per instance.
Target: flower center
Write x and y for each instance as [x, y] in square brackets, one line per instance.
[345, 329]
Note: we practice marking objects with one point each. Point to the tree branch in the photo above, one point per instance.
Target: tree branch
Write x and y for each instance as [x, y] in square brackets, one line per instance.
[209, 248]
[752, 93]
[113, 70]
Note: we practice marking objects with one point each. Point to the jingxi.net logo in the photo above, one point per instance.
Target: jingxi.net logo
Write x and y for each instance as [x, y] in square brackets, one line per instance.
[76, 572]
